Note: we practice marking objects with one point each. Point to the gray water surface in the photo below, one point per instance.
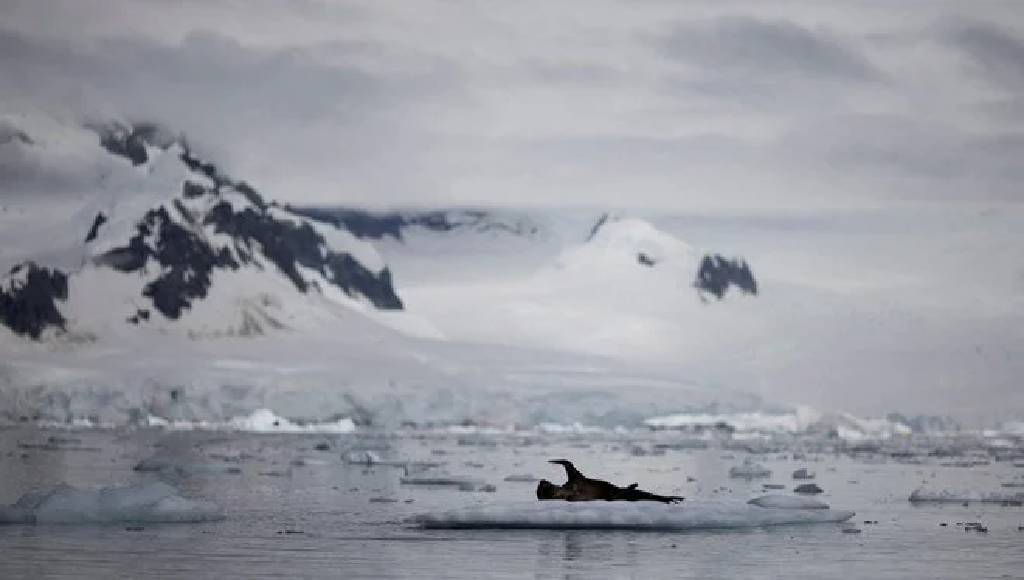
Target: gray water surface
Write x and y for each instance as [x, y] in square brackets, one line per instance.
[294, 511]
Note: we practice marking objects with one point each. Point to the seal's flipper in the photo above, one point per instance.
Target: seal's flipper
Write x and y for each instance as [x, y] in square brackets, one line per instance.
[570, 470]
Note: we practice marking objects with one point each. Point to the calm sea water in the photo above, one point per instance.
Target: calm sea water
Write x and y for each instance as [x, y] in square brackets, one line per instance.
[294, 511]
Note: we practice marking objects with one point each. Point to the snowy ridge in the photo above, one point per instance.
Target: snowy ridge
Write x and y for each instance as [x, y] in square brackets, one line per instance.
[161, 226]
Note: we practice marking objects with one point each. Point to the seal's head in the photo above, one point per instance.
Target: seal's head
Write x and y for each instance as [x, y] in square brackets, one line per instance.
[547, 490]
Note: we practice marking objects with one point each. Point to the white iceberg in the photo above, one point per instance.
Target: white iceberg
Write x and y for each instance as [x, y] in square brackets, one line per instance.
[960, 496]
[153, 502]
[260, 421]
[690, 515]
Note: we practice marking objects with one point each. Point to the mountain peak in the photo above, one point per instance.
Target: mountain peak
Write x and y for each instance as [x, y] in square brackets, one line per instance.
[167, 231]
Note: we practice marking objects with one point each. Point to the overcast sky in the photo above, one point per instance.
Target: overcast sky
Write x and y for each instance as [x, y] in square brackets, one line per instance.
[661, 104]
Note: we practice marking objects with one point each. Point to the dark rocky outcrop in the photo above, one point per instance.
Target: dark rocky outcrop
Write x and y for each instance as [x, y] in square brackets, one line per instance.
[365, 224]
[95, 229]
[28, 302]
[190, 190]
[378, 225]
[185, 259]
[598, 225]
[290, 244]
[716, 274]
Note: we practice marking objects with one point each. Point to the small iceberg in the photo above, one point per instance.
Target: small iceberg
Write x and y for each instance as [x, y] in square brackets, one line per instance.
[749, 470]
[966, 496]
[260, 421]
[601, 515]
[154, 502]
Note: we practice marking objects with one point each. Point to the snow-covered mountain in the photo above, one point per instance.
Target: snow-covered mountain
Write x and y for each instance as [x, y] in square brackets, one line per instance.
[158, 248]
[149, 282]
[141, 280]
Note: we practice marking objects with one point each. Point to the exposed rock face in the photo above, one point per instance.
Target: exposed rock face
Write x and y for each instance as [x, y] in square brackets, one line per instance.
[174, 239]
[185, 259]
[716, 274]
[28, 299]
[378, 225]
[289, 245]
[95, 229]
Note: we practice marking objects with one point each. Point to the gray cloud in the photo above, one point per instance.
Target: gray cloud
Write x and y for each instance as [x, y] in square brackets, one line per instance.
[995, 50]
[235, 102]
[751, 46]
[387, 104]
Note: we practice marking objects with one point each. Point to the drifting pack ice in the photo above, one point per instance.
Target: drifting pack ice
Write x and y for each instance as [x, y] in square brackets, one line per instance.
[965, 496]
[154, 502]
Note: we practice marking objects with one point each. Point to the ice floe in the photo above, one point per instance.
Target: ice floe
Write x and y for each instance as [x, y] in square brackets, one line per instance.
[690, 515]
[153, 502]
[960, 496]
[260, 421]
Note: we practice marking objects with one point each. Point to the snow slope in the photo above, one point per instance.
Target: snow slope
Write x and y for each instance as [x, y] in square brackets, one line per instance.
[625, 290]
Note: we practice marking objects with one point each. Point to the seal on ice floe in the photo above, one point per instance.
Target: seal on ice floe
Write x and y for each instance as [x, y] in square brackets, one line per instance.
[582, 488]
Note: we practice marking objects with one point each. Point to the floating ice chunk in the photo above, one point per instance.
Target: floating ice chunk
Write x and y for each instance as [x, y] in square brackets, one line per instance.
[808, 488]
[265, 421]
[260, 421]
[521, 477]
[789, 502]
[802, 473]
[750, 470]
[960, 496]
[153, 502]
[466, 483]
[697, 514]
[361, 457]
